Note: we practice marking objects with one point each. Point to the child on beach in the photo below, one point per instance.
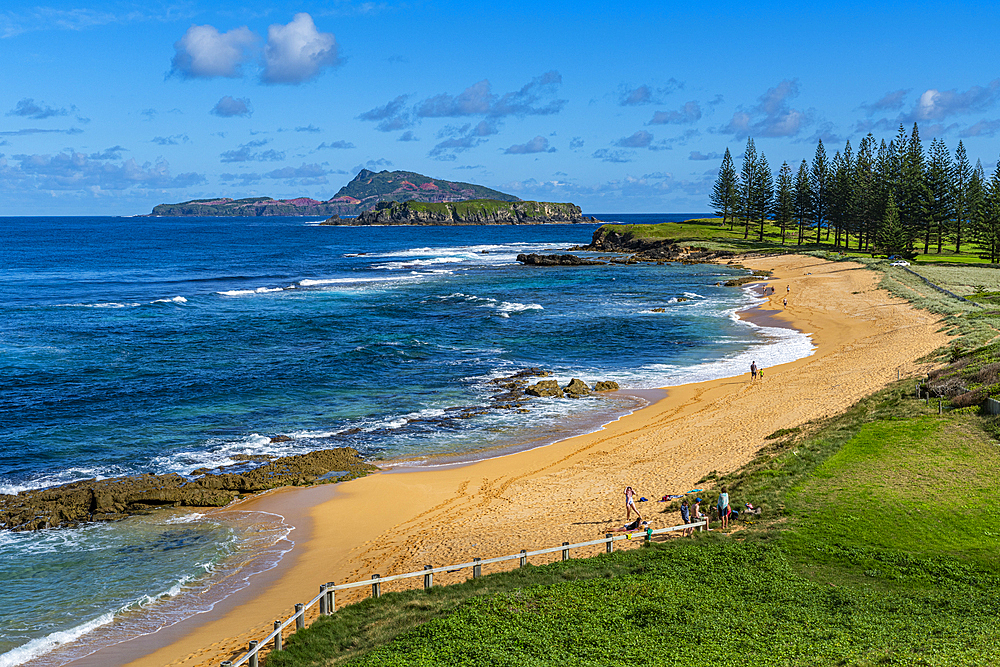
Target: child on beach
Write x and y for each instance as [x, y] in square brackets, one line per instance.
[686, 517]
[630, 504]
[723, 507]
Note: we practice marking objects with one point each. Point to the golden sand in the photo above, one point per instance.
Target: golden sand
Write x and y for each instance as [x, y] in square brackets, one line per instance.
[394, 522]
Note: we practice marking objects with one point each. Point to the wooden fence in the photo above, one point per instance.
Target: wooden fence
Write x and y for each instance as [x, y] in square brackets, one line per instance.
[327, 592]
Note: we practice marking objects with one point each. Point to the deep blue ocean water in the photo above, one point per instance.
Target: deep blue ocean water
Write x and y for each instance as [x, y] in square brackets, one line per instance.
[131, 345]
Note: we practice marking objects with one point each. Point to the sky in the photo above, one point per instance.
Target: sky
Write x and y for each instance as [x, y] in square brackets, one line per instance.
[109, 108]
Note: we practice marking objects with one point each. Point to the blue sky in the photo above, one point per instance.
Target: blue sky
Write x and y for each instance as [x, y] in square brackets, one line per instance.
[108, 108]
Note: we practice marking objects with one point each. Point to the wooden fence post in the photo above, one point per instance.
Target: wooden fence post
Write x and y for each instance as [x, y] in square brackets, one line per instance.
[253, 656]
[331, 603]
[565, 551]
[376, 586]
[300, 617]
[322, 600]
[524, 557]
[477, 570]
[428, 578]
[610, 545]
[277, 637]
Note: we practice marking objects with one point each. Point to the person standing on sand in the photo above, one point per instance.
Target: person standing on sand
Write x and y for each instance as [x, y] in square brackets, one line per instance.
[630, 503]
[753, 370]
[686, 517]
[696, 513]
[723, 507]
[788, 288]
[784, 302]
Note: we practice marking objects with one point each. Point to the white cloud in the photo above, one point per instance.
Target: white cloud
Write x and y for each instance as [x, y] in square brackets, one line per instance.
[297, 52]
[76, 171]
[204, 52]
[537, 145]
[227, 107]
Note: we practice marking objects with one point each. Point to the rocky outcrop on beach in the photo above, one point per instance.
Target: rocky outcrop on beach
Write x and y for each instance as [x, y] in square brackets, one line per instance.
[117, 498]
[576, 388]
[606, 385]
[621, 239]
[545, 389]
[471, 212]
[555, 260]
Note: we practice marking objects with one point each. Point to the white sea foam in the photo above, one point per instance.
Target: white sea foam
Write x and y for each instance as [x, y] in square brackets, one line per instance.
[42, 645]
[185, 518]
[314, 282]
[249, 292]
[107, 304]
[176, 299]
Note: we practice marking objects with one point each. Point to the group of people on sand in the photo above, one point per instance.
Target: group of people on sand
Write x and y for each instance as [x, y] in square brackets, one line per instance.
[755, 372]
[689, 513]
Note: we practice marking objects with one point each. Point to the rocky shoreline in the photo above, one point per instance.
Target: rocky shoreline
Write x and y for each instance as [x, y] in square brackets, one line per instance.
[117, 498]
[92, 500]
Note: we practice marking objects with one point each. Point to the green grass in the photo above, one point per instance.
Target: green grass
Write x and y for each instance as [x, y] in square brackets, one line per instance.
[878, 548]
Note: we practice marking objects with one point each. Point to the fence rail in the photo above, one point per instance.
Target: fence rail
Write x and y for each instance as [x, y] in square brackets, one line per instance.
[327, 600]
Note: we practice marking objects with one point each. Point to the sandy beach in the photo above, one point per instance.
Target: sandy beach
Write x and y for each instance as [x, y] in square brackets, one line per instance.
[395, 522]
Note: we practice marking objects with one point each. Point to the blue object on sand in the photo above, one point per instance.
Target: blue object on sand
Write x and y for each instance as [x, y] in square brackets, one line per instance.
[642, 500]
[696, 490]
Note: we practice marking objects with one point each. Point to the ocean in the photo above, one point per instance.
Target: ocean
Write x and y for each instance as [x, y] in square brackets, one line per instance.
[134, 345]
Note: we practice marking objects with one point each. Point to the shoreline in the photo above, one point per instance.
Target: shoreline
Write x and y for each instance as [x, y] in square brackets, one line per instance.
[492, 506]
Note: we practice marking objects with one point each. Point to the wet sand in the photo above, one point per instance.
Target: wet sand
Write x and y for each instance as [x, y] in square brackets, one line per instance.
[571, 490]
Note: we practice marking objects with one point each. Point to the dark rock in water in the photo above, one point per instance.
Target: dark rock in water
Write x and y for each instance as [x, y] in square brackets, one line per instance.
[544, 389]
[576, 388]
[682, 299]
[659, 310]
[332, 220]
[555, 260]
[606, 385]
[280, 438]
[112, 499]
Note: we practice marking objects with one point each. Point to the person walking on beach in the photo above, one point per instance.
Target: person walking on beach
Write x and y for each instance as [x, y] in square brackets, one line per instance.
[753, 370]
[784, 302]
[723, 507]
[630, 503]
[788, 289]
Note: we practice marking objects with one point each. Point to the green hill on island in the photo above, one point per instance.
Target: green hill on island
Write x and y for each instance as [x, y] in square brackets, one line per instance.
[469, 212]
[362, 193]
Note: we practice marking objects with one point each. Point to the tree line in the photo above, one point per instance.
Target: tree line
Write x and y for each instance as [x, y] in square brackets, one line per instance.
[883, 198]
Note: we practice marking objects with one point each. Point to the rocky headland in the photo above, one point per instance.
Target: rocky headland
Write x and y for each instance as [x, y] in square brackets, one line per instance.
[470, 212]
[361, 193]
[620, 239]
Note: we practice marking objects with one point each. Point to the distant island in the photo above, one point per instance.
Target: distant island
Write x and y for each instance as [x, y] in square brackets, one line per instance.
[470, 212]
[366, 190]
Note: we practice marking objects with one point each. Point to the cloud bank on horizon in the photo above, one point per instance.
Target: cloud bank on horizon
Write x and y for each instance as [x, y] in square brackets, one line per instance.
[114, 108]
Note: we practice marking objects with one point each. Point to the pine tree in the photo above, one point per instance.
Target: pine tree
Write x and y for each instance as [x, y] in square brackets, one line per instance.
[803, 198]
[913, 204]
[784, 200]
[939, 205]
[763, 192]
[892, 238]
[986, 227]
[865, 192]
[725, 190]
[960, 194]
[746, 186]
[819, 183]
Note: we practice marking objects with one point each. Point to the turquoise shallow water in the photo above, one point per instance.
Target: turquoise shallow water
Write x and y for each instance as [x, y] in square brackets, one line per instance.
[133, 345]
